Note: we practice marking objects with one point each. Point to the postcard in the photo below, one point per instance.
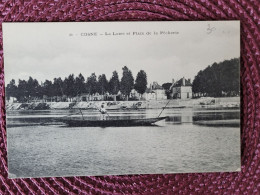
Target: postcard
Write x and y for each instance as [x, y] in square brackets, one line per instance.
[120, 98]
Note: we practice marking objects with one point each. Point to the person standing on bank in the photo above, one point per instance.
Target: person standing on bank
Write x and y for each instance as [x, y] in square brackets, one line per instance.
[103, 112]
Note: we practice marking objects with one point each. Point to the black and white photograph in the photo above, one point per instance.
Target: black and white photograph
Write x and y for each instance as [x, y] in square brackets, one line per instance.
[120, 98]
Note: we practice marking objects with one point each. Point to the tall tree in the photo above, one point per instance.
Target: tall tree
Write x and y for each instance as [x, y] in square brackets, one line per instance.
[166, 87]
[37, 88]
[218, 79]
[32, 87]
[91, 84]
[102, 84]
[114, 84]
[11, 90]
[58, 87]
[127, 82]
[197, 83]
[69, 88]
[141, 82]
[80, 84]
[22, 92]
[47, 88]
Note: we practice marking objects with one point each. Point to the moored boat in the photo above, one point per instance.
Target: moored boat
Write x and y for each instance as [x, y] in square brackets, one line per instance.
[76, 122]
[220, 123]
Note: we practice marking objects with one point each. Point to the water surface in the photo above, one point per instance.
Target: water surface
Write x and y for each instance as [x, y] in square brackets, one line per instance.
[172, 146]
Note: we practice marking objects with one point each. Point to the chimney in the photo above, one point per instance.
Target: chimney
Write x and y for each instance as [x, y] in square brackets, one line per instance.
[172, 81]
[183, 81]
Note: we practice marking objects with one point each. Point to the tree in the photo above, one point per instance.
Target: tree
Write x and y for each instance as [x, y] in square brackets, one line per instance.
[32, 88]
[58, 87]
[91, 84]
[102, 84]
[197, 84]
[166, 87]
[114, 84]
[231, 77]
[80, 84]
[11, 90]
[218, 79]
[47, 88]
[69, 86]
[22, 92]
[37, 88]
[127, 82]
[141, 82]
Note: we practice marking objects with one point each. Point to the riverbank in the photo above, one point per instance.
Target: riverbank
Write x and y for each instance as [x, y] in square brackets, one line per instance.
[214, 103]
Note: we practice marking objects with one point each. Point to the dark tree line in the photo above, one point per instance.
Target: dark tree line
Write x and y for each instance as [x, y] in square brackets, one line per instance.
[219, 79]
[73, 86]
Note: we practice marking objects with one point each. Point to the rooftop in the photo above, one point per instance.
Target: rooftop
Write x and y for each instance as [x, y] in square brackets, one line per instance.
[182, 82]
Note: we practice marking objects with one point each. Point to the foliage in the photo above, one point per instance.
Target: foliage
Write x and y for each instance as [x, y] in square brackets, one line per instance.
[22, 92]
[114, 84]
[102, 86]
[141, 82]
[11, 90]
[80, 84]
[58, 87]
[91, 84]
[127, 82]
[32, 87]
[70, 87]
[219, 79]
[166, 87]
[47, 88]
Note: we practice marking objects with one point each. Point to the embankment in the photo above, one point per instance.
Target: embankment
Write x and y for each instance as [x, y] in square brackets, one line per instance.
[230, 102]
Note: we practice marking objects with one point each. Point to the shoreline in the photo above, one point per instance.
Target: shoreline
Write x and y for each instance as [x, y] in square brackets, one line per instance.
[208, 102]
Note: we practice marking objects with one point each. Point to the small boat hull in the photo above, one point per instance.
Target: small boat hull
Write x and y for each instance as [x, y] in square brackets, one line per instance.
[111, 123]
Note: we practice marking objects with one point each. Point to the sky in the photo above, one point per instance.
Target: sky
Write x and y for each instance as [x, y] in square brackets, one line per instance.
[164, 50]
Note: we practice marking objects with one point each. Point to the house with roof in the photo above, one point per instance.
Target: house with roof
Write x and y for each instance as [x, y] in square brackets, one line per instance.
[149, 94]
[154, 92]
[182, 89]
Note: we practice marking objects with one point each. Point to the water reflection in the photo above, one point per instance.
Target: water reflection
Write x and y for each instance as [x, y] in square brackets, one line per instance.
[175, 116]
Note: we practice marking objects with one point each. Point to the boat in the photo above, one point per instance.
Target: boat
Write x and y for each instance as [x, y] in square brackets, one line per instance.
[219, 123]
[171, 107]
[77, 122]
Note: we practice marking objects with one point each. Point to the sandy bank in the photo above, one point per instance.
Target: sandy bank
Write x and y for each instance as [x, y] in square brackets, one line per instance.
[117, 105]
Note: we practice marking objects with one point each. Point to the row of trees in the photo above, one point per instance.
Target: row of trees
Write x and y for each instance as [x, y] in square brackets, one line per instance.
[72, 86]
[219, 79]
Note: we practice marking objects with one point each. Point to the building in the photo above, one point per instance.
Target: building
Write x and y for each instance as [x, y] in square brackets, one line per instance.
[11, 99]
[85, 97]
[182, 89]
[149, 94]
[155, 92]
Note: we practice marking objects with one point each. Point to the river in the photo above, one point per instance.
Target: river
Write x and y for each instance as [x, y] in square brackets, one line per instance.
[176, 145]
